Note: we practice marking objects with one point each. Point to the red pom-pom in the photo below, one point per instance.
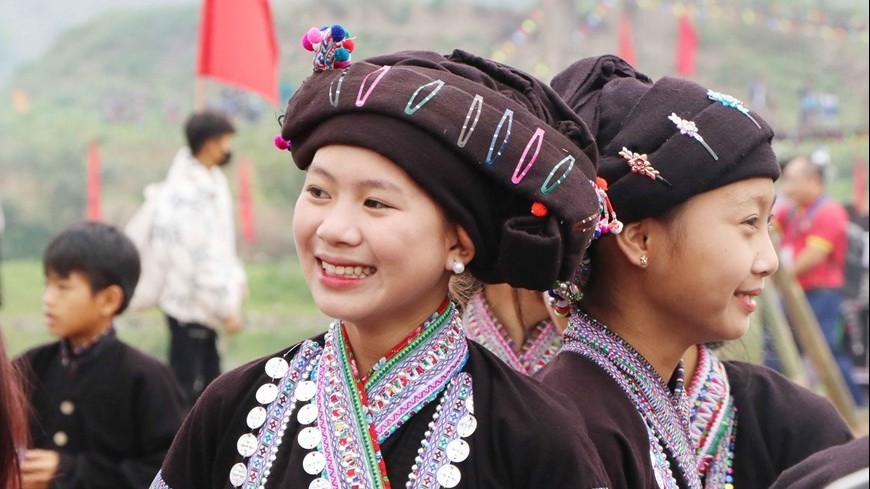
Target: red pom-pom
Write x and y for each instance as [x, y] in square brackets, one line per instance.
[601, 183]
[281, 143]
[341, 64]
[539, 209]
[306, 43]
[348, 44]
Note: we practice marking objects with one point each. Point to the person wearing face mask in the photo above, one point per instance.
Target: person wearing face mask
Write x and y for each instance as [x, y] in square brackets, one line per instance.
[193, 240]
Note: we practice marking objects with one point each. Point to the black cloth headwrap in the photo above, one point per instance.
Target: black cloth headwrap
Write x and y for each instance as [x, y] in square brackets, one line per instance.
[625, 109]
[483, 139]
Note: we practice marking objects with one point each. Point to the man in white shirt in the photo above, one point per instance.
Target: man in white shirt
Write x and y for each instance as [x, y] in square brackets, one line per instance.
[193, 236]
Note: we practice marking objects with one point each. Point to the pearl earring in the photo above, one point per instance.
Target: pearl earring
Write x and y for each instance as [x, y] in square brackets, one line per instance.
[458, 267]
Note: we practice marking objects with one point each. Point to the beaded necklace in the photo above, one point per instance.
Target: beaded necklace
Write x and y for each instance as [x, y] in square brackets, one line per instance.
[482, 326]
[345, 417]
[663, 411]
[712, 420]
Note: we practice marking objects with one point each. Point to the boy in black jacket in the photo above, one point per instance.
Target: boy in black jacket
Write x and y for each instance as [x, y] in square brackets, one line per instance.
[103, 413]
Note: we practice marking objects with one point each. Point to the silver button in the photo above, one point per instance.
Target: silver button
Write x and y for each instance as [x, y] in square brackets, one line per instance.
[309, 438]
[457, 450]
[267, 393]
[314, 463]
[466, 426]
[67, 407]
[448, 476]
[60, 439]
[238, 474]
[305, 390]
[247, 445]
[319, 483]
[276, 368]
[256, 417]
[307, 414]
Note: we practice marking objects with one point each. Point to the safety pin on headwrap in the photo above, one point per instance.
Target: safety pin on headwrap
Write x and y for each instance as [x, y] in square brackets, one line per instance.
[731, 102]
[641, 165]
[689, 128]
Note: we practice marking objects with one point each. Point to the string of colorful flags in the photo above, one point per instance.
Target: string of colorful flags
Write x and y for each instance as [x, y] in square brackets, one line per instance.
[782, 16]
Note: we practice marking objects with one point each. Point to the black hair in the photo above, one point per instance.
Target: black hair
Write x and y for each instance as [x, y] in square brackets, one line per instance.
[205, 125]
[100, 252]
[816, 169]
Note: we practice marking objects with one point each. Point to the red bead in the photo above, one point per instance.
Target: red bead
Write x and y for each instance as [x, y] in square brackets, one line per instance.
[539, 209]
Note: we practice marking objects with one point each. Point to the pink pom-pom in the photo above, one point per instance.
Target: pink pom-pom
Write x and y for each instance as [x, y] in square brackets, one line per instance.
[281, 143]
[307, 44]
[341, 64]
[314, 35]
[348, 44]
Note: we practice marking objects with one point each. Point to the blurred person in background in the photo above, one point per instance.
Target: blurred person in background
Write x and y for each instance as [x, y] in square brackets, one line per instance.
[814, 246]
[194, 241]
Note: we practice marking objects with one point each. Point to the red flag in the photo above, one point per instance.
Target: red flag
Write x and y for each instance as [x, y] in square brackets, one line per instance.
[93, 182]
[687, 47]
[246, 208]
[626, 41]
[237, 45]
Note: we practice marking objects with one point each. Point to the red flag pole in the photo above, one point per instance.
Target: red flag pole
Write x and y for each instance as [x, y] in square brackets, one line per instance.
[687, 46]
[626, 40]
[94, 211]
[246, 208]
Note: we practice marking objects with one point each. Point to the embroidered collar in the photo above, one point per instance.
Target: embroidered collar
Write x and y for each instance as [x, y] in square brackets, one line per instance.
[663, 409]
[482, 326]
[345, 418]
[712, 419]
[72, 356]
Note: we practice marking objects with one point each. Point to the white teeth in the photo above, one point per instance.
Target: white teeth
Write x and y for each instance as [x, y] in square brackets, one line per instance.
[347, 271]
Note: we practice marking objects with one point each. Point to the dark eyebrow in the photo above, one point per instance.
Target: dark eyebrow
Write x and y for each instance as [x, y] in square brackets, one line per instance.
[756, 199]
[379, 184]
[314, 168]
[369, 183]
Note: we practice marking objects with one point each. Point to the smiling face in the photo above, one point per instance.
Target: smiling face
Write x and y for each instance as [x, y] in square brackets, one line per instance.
[708, 265]
[375, 249]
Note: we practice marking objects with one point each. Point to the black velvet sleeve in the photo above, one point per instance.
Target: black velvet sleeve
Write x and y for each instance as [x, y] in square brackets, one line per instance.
[779, 424]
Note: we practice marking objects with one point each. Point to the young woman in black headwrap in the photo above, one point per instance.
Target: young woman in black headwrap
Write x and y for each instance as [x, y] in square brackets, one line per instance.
[419, 166]
[683, 252]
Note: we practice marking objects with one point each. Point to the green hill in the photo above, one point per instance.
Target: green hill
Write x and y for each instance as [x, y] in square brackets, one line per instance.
[125, 79]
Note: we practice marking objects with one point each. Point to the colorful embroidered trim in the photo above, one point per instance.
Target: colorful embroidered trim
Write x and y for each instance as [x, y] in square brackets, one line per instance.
[640, 164]
[664, 412]
[444, 446]
[689, 128]
[255, 472]
[357, 413]
[712, 419]
[731, 103]
[158, 482]
[482, 326]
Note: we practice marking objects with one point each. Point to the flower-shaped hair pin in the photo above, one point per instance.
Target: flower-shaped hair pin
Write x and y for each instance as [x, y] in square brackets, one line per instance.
[689, 128]
[731, 102]
[641, 165]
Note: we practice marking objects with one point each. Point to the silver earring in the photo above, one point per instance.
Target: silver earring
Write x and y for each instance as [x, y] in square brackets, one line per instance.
[644, 261]
[458, 267]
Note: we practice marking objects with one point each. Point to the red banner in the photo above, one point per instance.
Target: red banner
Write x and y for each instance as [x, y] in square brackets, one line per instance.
[687, 47]
[246, 207]
[626, 40]
[94, 208]
[237, 45]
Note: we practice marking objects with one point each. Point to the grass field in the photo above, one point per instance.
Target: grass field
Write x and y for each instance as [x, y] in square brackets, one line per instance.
[279, 312]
